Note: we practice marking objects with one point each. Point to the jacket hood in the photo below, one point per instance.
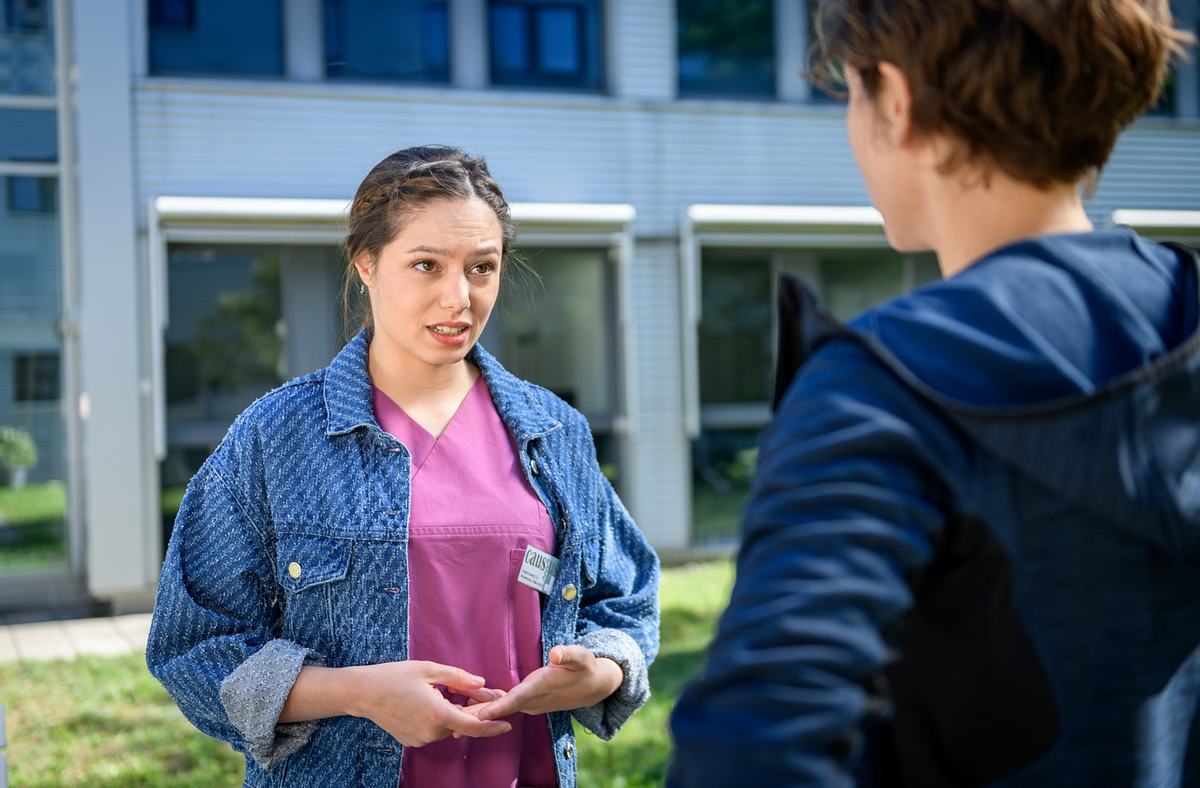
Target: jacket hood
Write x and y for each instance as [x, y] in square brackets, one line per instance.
[1075, 359]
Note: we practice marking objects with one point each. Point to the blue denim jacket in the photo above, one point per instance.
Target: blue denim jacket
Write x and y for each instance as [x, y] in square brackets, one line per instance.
[306, 475]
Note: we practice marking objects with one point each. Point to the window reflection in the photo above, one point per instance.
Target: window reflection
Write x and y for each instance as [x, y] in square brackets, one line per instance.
[33, 463]
[726, 48]
[405, 40]
[216, 37]
[560, 333]
[736, 350]
[27, 48]
[546, 44]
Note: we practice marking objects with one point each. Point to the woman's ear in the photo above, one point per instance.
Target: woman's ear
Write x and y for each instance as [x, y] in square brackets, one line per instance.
[893, 101]
[363, 265]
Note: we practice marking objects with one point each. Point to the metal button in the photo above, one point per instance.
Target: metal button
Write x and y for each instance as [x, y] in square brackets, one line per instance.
[569, 751]
[533, 466]
[569, 591]
[294, 570]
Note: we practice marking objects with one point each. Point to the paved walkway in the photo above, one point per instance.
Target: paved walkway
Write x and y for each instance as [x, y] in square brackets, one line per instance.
[105, 637]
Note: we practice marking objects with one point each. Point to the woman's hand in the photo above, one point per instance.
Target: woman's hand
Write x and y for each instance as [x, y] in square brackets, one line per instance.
[403, 699]
[574, 679]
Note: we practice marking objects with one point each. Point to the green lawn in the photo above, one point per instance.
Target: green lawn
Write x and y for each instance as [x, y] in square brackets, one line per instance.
[107, 722]
[32, 527]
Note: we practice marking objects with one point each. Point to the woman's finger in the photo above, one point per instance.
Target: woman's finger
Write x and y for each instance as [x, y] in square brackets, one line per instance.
[483, 695]
[511, 703]
[452, 677]
[461, 723]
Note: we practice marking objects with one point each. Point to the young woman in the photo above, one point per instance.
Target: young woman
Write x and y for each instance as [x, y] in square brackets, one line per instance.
[408, 565]
[972, 554]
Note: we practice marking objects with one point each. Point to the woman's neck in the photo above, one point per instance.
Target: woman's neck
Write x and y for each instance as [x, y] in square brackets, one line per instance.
[970, 220]
[428, 393]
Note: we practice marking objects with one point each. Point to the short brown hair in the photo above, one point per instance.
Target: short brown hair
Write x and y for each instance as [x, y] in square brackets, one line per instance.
[1039, 89]
[402, 183]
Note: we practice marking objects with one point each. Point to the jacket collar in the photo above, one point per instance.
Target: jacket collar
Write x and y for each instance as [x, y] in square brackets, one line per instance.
[349, 402]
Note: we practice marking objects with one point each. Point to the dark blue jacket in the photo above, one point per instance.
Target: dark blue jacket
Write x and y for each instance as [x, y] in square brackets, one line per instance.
[972, 552]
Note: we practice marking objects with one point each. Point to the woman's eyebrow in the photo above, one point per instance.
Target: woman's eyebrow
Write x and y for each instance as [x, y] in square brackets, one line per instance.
[430, 250]
[485, 249]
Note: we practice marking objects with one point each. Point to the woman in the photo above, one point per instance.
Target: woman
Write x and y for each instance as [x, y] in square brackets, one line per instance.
[408, 565]
[972, 553]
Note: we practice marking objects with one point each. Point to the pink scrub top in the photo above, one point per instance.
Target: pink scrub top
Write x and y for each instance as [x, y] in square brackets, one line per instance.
[471, 516]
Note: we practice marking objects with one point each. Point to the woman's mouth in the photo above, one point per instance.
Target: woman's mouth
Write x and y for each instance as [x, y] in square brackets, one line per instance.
[450, 333]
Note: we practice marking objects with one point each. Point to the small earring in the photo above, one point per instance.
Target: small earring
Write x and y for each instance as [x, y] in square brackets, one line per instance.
[362, 288]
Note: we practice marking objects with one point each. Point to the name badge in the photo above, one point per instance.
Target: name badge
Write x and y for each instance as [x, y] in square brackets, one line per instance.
[538, 570]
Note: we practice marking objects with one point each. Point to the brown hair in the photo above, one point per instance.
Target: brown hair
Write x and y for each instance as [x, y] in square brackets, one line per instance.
[402, 183]
[1039, 89]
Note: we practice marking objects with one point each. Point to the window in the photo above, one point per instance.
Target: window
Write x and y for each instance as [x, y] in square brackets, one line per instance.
[32, 195]
[33, 446]
[216, 37]
[26, 48]
[35, 377]
[27, 16]
[545, 44]
[726, 48]
[736, 351]
[403, 41]
[172, 13]
[561, 334]
[29, 135]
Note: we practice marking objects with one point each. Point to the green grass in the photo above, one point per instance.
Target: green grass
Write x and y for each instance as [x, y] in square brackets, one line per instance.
[107, 722]
[33, 527]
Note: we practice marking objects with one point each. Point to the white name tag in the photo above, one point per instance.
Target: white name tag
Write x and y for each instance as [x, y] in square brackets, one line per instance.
[538, 570]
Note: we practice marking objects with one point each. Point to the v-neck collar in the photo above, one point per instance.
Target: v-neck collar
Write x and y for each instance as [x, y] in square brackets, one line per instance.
[419, 441]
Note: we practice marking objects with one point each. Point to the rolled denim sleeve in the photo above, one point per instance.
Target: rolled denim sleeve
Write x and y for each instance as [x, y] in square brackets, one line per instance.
[619, 612]
[212, 641]
[847, 501]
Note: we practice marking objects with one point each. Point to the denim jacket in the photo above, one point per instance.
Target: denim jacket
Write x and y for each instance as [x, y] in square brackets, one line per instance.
[306, 476]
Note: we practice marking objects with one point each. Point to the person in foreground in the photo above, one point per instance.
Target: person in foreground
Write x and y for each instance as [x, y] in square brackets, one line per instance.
[407, 566]
[972, 551]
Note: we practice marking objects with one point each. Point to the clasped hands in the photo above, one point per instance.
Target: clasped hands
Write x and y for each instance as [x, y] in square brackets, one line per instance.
[416, 713]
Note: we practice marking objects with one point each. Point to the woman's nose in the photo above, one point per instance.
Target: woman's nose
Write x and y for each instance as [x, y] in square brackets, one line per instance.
[457, 293]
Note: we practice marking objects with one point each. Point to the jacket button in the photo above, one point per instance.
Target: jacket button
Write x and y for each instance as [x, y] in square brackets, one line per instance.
[569, 591]
[569, 751]
[533, 466]
[294, 570]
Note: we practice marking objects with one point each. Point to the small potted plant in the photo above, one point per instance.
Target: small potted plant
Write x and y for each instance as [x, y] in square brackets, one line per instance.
[17, 454]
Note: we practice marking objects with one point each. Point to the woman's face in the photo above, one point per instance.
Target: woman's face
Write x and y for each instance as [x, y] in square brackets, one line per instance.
[877, 126]
[433, 287]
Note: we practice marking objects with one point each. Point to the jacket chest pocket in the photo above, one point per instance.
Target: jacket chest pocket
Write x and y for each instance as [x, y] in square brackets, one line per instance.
[311, 571]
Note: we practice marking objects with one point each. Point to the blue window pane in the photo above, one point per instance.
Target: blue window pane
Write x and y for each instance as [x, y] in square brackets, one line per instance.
[27, 47]
[216, 37]
[29, 265]
[436, 39]
[726, 48]
[32, 195]
[510, 42]
[407, 40]
[181, 13]
[546, 43]
[29, 135]
[559, 44]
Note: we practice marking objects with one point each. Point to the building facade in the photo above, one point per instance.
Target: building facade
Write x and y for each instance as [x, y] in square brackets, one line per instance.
[174, 176]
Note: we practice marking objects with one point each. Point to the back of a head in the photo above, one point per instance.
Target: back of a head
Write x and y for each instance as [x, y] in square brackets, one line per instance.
[1038, 89]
